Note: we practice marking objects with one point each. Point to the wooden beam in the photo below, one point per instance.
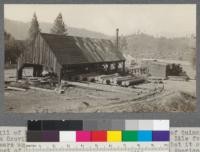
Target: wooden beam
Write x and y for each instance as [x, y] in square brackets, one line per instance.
[60, 74]
[116, 66]
[123, 67]
[15, 88]
[19, 73]
[108, 69]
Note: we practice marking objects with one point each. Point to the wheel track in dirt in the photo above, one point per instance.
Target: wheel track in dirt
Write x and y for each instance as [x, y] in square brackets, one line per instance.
[152, 97]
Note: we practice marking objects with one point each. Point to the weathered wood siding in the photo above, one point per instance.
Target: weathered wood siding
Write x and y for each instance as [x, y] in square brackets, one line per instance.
[39, 54]
[43, 55]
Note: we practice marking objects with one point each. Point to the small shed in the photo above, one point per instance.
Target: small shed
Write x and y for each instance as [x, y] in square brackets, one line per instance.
[161, 69]
[158, 70]
[62, 54]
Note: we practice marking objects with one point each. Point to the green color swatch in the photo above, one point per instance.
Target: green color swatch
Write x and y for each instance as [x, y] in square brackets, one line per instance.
[129, 135]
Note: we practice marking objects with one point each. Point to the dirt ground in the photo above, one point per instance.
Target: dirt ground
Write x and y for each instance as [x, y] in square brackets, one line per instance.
[176, 96]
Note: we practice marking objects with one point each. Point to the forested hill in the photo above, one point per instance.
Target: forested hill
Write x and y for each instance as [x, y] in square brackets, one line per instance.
[138, 45]
[146, 46]
[19, 30]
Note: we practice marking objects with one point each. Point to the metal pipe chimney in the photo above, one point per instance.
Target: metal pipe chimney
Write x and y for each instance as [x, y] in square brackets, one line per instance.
[117, 39]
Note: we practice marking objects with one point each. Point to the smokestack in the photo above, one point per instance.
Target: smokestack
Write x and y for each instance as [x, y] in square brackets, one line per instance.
[117, 38]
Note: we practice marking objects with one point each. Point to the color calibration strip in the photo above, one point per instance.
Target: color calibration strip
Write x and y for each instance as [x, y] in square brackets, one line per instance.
[98, 131]
[97, 136]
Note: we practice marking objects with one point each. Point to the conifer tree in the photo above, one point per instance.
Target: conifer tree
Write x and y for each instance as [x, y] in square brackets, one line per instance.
[34, 28]
[59, 26]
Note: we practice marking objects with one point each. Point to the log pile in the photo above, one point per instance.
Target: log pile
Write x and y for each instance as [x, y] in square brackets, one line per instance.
[112, 79]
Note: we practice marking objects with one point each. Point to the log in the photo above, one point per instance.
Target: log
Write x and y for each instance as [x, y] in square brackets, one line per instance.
[123, 83]
[134, 81]
[101, 78]
[98, 78]
[16, 89]
[109, 76]
[109, 79]
[87, 77]
[91, 78]
[120, 80]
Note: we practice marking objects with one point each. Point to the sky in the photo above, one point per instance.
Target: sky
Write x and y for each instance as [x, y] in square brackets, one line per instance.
[169, 20]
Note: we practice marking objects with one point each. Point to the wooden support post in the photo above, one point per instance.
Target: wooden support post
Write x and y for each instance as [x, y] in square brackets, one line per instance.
[60, 73]
[116, 66]
[19, 70]
[19, 73]
[34, 71]
[123, 67]
[108, 67]
[59, 77]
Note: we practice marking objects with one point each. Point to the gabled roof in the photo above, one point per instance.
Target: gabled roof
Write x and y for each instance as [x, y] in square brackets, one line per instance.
[79, 50]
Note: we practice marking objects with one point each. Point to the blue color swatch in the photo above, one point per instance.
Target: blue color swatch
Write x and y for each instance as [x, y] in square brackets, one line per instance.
[144, 135]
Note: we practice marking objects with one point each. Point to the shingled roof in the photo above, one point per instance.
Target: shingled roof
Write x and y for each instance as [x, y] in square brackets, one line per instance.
[79, 50]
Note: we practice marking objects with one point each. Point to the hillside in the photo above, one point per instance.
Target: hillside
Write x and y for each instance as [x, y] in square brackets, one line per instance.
[139, 45]
[146, 46]
[19, 30]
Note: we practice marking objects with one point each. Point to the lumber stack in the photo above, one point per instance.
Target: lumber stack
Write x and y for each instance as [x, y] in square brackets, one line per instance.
[133, 81]
[104, 79]
[118, 80]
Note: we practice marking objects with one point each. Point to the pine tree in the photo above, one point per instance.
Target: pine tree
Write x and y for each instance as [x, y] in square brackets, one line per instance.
[59, 26]
[34, 29]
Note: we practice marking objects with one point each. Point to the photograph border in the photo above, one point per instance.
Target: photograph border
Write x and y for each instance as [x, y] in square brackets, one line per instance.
[180, 119]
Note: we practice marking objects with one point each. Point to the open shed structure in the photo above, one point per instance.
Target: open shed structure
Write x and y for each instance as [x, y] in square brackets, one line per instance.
[64, 55]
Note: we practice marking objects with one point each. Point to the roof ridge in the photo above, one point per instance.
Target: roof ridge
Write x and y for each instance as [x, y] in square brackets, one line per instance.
[44, 33]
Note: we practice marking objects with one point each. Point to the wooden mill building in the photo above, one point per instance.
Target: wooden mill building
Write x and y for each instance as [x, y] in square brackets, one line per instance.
[66, 55]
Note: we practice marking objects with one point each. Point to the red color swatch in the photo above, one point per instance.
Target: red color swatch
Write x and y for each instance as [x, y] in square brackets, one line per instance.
[99, 136]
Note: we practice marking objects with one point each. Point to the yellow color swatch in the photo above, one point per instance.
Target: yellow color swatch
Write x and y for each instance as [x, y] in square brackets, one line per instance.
[114, 136]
